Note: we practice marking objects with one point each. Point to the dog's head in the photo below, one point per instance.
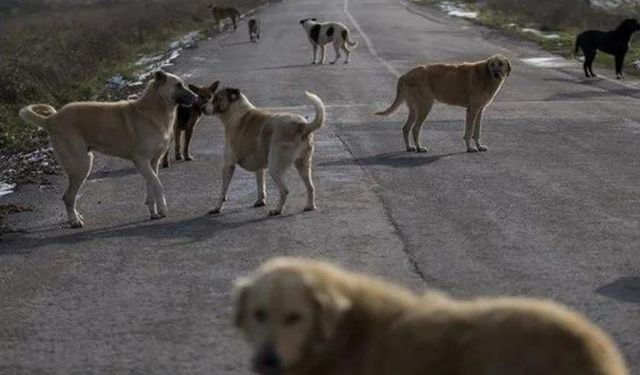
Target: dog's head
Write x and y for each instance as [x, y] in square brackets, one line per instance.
[629, 25]
[205, 93]
[498, 67]
[172, 89]
[307, 20]
[222, 101]
[286, 311]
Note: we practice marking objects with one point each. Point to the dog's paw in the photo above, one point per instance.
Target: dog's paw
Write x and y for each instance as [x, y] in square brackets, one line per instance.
[260, 203]
[215, 211]
[472, 149]
[421, 149]
[310, 208]
[482, 148]
[157, 216]
[77, 223]
[178, 156]
[275, 213]
[188, 157]
[411, 149]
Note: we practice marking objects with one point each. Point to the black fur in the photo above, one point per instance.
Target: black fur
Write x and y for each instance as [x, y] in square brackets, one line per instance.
[330, 32]
[315, 33]
[345, 34]
[614, 42]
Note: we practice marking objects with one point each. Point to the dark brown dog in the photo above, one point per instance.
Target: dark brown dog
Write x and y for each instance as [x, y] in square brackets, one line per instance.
[186, 120]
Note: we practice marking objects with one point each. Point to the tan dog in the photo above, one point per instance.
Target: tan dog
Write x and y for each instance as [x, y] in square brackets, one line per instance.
[469, 85]
[138, 130]
[307, 317]
[258, 140]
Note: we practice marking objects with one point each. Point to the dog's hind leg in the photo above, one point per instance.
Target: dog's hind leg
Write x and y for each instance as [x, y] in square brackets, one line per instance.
[227, 173]
[155, 201]
[421, 117]
[472, 114]
[177, 137]
[336, 47]
[589, 57]
[406, 129]
[279, 161]
[262, 189]
[303, 165]
[315, 53]
[477, 127]
[77, 164]
[619, 65]
[323, 54]
[347, 52]
[187, 142]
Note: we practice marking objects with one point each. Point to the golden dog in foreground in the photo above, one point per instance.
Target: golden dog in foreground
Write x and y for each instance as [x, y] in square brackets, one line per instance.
[306, 317]
[469, 85]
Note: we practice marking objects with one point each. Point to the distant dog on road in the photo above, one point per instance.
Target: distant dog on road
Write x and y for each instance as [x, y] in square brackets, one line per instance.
[186, 120]
[257, 140]
[614, 42]
[470, 85]
[138, 130]
[321, 34]
[304, 317]
[254, 30]
[220, 14]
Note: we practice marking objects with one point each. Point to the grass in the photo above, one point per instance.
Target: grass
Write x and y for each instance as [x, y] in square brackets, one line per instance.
[565, 18]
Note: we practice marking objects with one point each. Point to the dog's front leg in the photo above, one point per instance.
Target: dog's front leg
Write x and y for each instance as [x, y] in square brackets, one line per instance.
[187, 142]
[262, 189]
[315, 53]
[323, 52]
[155, 201]
[469, 128]
[477, 129]
[227, 174]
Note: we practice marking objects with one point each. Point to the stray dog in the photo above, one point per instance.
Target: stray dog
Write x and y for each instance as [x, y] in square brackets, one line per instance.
[257, 139]
[186, 120]
[614, 42]
[220, 14]
[254, 30]
[321, 34]
[470, 85]
[138, 130]
[305, 317]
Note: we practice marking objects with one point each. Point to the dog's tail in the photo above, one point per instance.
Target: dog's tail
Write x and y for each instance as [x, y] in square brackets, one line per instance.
[37, 114]
[346, 35]
[396, 103]
[320, 113]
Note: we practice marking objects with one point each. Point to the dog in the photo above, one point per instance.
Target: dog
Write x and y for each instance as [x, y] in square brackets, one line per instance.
[186, 120]
[257, 140]
[254, 30]
[304, 317]
[220, 14]
[470, 85]
[614, 42]
[138, 130]
[321, 34]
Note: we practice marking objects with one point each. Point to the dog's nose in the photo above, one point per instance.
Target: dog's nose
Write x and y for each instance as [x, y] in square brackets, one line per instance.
[268, 362]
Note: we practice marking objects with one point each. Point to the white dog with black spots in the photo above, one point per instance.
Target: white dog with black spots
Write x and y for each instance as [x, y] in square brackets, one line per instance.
[322, 33]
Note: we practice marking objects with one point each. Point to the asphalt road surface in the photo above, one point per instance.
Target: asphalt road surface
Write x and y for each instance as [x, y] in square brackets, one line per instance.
[552, 210]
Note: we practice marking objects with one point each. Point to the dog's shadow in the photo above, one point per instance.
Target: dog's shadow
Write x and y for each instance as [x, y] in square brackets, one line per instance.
[400, 159]
[624, 289]
[595, 83]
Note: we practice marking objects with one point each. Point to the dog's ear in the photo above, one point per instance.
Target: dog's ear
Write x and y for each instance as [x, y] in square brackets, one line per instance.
[233, 94]
[195, 89]
[313, 19]
[240, 292]
[331, 307]
[214, 86]
[159, 76]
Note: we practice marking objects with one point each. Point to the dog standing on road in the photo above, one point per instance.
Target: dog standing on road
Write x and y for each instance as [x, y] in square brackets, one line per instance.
[254, 30]
[469, 85]
[257, 140]
[321, 34]
[220, 14]
[304, 317]
[614, 42]
[138, 130]
[186, 120]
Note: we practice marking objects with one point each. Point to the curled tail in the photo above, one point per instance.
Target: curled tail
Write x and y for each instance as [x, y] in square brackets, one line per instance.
[396, 103]
[37, 114]
[320, 114]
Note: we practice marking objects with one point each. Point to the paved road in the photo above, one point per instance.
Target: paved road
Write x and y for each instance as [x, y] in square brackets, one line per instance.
[553, 209]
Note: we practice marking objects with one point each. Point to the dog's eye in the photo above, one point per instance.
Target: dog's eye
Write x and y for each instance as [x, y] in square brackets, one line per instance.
[291, 319]
[260, 316]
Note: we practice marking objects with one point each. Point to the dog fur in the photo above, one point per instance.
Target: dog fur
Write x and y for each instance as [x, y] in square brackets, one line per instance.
[254, 30]
[186, 120]
[321, 34]
[470, 85]
[220, 14]
[305, 317]
[614, 42]
[138, 130]
[257, 140]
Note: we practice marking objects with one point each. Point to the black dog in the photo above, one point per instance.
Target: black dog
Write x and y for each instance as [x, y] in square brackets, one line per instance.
[615, 42]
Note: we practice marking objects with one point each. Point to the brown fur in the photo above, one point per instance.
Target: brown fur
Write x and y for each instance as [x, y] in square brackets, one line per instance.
[469, 85]
[221, 13]
[306, 317]
[138, 130]
[258, 140]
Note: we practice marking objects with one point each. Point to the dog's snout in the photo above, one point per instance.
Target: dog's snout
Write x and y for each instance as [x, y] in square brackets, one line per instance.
[267, 362]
